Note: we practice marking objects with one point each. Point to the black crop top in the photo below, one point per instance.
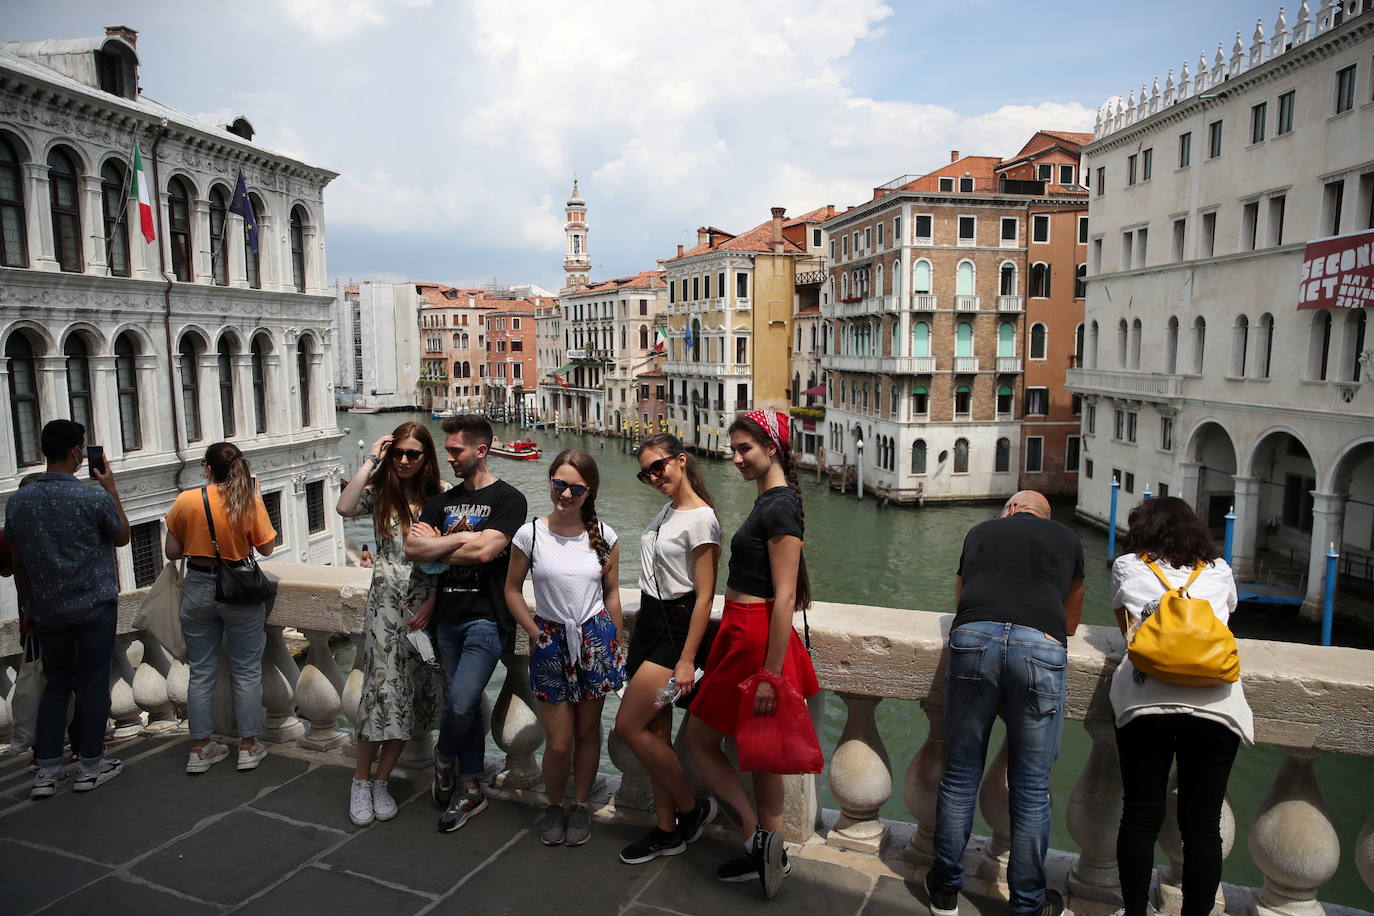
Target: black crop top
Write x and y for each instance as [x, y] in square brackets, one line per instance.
[776, 512]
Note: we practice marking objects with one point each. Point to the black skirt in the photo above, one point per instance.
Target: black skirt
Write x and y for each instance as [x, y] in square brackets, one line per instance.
[660, 632]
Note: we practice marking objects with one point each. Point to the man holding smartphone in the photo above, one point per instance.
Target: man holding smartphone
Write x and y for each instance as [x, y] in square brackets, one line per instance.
[64, 533]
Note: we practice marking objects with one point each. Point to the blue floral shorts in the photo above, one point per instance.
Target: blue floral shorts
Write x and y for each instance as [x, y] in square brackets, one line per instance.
[553, 676]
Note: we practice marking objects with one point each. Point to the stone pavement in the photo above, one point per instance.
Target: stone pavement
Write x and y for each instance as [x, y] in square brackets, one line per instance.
[278, 840]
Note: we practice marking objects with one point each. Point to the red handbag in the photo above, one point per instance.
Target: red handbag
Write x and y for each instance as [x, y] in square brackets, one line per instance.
[784, 742]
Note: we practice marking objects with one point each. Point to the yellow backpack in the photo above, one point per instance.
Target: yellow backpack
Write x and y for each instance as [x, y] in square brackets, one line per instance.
[1183, 642]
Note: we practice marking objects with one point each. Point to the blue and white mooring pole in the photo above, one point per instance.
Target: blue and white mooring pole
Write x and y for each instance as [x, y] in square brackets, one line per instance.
[1329, 594]
[1230, 535]
[1111, 523]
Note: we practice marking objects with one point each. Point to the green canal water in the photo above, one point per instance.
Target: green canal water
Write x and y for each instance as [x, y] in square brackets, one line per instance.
[860, 553]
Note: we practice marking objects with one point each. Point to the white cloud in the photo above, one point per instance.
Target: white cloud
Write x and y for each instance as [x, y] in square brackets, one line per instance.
[331, 20]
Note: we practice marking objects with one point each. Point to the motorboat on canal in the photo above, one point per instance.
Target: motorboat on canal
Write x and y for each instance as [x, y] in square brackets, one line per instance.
[522, 450]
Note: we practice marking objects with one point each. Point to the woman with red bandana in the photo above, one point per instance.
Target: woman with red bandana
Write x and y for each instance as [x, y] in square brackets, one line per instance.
[767, 583]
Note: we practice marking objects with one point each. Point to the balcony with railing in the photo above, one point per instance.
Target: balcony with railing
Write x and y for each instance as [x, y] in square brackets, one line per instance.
[1122, 383]
[967, 303]
[1008, 364]
[963, 364]
[846, 363]
[966, 242]
[743, 305]
[1010, 304]
[923, 302]
[907, 365]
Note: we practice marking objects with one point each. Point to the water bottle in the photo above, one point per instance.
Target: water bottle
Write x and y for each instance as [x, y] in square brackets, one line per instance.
[665, 695]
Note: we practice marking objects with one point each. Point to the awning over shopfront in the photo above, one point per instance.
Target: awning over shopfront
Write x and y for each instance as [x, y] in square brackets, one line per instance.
[814, 391]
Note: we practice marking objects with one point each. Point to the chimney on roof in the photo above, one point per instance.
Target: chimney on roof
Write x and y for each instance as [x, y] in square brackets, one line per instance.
[954, 155]
[777, 229]
[124, 32]
[679, 251]
[702, 235]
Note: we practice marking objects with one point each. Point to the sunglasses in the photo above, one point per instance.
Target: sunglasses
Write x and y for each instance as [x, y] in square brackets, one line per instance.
[562, 486]
[409, 454]
[654, 470]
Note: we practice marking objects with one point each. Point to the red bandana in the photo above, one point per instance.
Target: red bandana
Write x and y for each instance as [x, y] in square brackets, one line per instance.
[774, 423]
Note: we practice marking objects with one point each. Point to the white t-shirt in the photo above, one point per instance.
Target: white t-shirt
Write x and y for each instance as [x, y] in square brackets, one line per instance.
[567, 576]
[665, 549]
[1137, 589]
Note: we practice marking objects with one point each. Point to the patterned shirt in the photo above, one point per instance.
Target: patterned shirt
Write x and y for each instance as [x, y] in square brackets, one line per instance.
[62, 530]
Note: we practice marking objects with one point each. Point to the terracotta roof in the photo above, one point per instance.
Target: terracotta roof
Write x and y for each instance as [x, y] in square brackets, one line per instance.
[653, 279]
[818, 215]
[653, 373]
[758, 239]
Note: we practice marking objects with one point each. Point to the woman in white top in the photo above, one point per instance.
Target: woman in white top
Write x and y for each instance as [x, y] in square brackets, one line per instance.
[577, 639]
[1158, 722]
[678, 554]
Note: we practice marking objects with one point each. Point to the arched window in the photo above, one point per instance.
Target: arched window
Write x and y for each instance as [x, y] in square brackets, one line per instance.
[65, 198]
[24, 410]
[696, 340]
[1171, 346]
[467, 369]
[961, 456]
[963, 279]
[844, 285]
[1264, 345]
[623, 338]
[303, 353]
[219, 256]
[1319, 346]
[14, 249]
[920, 401]
[918, 456]
[1078, 347]
[456, 338]
[79, 384]
[896, 279]
[1240, 345]
[643, 337]
[1092, 345]
[298, 249]
[126, 389]
[878, 280]
[1039, 338]
[114, 197]
[1040, 280]
[1006, 339]
[1006, 279]
[1200, 343]
[1134, 350]
[963, 401]
[457, 369]
[190, 388]
[1123, 334]
[226, 387]
[252, 260]
[1002, 456]
[179, 229]
[1004, 401]
[920, 339]
[963, 339]
[920, 278]
[1080, 282]
[259, 352]
[1356, 320]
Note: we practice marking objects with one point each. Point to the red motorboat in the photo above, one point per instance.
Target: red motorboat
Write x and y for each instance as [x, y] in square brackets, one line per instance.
[524, 450]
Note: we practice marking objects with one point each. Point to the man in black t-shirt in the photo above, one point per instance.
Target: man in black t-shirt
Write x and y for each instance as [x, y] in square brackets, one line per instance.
[1020, 595]
[463, 537]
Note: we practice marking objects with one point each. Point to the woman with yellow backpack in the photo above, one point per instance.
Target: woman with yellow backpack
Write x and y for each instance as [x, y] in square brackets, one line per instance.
[1177, 695]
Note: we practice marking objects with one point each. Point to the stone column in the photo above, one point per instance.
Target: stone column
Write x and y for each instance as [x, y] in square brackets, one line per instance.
[1293, 841]
[1248, 521]
[245, 411]
[93, 225]
[515, 728]
[994, 801]
[1094, 815]
[318, 695]
[105, 406]
[51, 372]
[922, 786]
[269, 248]
[1328, 523]
[200, 221]
[38, 217]
[8, 460]
[128, 718]
[860, 778]
[279, 676]
[152, 401]
[211, 421]
[235, 251]
[1168, 890]
[1189, 473]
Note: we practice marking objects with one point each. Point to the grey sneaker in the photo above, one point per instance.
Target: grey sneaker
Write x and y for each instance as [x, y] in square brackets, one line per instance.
[465, 805]
[45, 782]
[553, 825]
[107, 769]
[202, 758]
[579, 828]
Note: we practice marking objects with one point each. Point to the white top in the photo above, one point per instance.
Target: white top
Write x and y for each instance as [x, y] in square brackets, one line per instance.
[567, 577]
[665, 549]
[1133, 693]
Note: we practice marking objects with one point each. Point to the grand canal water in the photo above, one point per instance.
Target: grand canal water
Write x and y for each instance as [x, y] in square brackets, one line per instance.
[858, 552]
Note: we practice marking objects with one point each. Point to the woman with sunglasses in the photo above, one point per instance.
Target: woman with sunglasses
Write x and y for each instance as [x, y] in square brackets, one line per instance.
[767, 583]
[678, 554]
[401, 694]
[577, 638]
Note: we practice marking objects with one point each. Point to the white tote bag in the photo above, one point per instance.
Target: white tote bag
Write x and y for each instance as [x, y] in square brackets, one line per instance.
[161, 612]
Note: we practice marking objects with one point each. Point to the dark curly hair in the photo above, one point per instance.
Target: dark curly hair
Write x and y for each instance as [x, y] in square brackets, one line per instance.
[1166, 528]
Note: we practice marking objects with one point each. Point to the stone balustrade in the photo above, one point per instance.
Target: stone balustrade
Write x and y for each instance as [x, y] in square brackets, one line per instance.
[1308, 701]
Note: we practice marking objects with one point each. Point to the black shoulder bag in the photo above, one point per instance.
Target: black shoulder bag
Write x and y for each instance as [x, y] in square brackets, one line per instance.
[242, 582]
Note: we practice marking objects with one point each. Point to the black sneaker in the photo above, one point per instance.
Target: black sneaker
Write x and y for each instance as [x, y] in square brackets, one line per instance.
[692, 824]
[943, 901]
[746, 867]
[1052, 905]
[654, 844]
[463, 807]
[769, 846]
[445, 782]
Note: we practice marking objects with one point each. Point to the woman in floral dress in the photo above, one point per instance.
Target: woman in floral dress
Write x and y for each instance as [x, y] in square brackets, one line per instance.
[401, 693]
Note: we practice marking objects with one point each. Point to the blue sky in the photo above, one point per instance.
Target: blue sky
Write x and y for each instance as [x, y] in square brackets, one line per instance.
[457, 126]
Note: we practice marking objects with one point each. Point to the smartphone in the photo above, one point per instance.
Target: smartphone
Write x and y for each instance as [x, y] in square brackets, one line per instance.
[95, 458]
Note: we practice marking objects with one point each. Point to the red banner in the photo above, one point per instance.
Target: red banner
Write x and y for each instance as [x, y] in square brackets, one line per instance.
[1338, 273]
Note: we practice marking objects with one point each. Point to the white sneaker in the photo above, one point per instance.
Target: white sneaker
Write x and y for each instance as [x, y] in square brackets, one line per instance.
[108, 768]
[202, 758]
[249, 759]
[383, 805]
[360, 803]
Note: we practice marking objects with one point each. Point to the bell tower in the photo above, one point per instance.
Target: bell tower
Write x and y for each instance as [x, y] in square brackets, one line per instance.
[576, 261]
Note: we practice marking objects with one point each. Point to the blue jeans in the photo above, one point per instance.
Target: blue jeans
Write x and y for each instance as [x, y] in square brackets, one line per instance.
[469, 651]
[205, 622]
[76, 659]
[1018, 672]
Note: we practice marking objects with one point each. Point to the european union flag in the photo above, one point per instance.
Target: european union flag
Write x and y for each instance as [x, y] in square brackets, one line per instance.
[244, 208]
[687, 337]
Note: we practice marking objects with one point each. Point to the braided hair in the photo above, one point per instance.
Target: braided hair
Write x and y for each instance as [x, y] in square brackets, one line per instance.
[585, 465]
[789, 469]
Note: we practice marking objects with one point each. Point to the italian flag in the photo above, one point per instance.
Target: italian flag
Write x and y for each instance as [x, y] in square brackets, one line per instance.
[140, 198]
[661, 340]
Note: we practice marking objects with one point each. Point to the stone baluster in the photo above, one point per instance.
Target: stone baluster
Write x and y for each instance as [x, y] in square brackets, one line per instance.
[635, 790]
[1293, 841]
[921, 790]
[1364, 852]
[515, 728]
[860, 774]
[1168, 890]
[994, 801]
[1278, 43]
[279, 677]
[151, 690]
[128, 718]
[352, 694]
[9, 674]
[1094, 815]
[802, 791]
[319, 695]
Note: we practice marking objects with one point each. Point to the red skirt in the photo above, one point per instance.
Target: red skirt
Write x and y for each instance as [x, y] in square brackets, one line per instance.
[739, 650]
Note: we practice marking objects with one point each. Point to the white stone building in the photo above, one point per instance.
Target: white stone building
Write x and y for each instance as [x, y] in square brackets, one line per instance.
[159, 349]
[1201, 377]
[378, 359]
